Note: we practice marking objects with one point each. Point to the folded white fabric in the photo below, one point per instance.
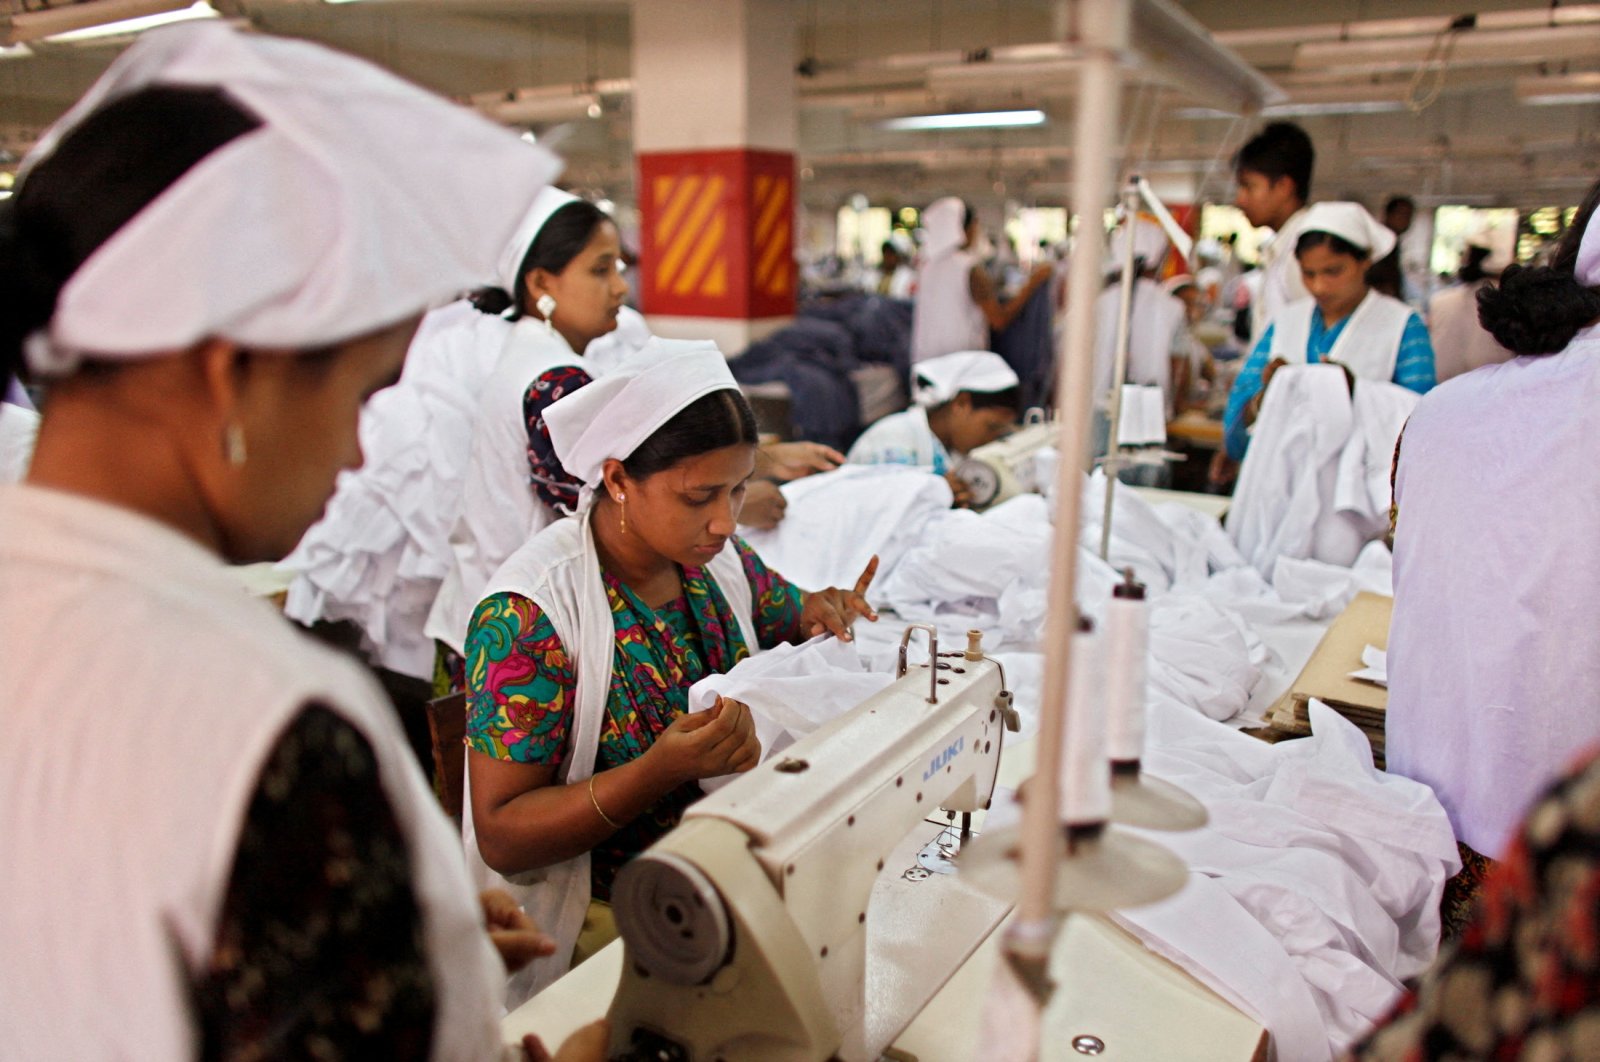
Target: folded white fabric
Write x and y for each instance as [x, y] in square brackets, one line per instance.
[1202, 656]
[836, 521]
[791, 690]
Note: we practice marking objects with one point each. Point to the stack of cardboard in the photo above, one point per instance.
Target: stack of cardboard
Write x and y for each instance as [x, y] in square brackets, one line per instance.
[1326, 676]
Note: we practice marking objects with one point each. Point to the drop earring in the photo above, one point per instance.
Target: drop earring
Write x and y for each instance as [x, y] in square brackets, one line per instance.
[546, 305]
[233, 447]
[622, 500]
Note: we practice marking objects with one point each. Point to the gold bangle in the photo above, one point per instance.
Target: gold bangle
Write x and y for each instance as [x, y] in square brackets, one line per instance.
[609, 822]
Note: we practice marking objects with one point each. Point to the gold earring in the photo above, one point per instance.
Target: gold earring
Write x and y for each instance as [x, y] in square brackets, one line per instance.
[622, 500]
[233, 447]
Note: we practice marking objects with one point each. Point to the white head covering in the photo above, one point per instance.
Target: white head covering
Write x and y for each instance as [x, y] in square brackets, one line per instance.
[612, 416]
[508, 266]
[1498, 259]
[1149, 243]
[1587, 268]
[359, 200]
[1353, 222]
[945, 222]
[938, 380]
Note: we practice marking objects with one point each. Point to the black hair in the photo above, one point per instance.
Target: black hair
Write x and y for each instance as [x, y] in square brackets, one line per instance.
[1399, 201]
[565, 233]
[711, 422]
[106, 169]
[889, 248]
[1282, 149]
[1472, 269]
[1538, 310]
[967, 217]
[1010, 398]
[1334, 243]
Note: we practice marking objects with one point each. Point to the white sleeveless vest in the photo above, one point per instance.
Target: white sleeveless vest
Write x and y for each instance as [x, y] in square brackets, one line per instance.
[944, 319]
[559, 570]
[498, 510]
[142, 692]
[1369, 345]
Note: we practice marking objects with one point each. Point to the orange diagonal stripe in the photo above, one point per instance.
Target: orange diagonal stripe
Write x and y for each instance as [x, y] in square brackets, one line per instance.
[685, 237]
[682, 192]
[771, 210]
[771, 256]
[709, 244]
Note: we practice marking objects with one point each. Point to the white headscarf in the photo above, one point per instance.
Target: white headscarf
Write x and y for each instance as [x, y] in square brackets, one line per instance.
[938, 380]
[1149, 243]
[1587, 268]
[509, 265]
[613, 416]
[1352, 222]
[945, 222]
[358, 201]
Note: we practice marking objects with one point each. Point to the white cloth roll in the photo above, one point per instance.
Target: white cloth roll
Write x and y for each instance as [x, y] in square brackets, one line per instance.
[1127, 637]
[1085, 769]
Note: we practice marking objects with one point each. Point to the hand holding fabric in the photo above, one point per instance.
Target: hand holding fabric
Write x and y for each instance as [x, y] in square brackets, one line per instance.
[764, 505]
[720, 740]
[588, 1044]
[832, 611]
[792, 460]
[962, 493]
[513, 933]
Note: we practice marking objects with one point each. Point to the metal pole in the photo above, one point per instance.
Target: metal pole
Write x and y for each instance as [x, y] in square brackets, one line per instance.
[1103, 27]
[1119, 369]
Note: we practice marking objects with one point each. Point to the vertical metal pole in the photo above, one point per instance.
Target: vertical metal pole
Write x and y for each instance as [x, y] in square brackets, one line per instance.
[1103, 29]
[1119, 369]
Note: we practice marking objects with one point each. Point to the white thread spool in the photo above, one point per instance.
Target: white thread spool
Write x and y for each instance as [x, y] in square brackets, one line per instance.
[1085, 768]
[1127, 663]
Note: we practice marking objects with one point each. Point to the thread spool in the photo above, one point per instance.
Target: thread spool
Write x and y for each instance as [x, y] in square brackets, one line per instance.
[1127, 666]
[1085, 768]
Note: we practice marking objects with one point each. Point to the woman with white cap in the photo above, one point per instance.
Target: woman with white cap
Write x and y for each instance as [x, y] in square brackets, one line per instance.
[1373, 336]
[960, 402]
[217, 841]
[582, 652]
[955, 305]
[1494, 672]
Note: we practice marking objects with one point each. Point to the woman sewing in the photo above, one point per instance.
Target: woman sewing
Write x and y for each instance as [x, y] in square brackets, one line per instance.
[217, 841]
[580, 657]
[1343, 321]
[960, 402]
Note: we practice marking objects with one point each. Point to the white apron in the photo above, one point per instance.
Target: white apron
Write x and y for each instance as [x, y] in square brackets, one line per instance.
[1369, 345]
[142, 691]
[901, 439]
[1280, 282]
[559, 571]
[498, 511]
[1494, 667]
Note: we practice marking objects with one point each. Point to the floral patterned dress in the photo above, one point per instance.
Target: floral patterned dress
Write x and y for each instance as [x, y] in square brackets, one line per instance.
[521, 683]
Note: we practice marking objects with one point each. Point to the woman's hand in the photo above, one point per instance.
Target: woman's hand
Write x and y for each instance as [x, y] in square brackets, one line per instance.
[720, 740]
[960, 493]
[832, 610]
[763, 505]
[588, 1044]
[515, 936]
[792, 460]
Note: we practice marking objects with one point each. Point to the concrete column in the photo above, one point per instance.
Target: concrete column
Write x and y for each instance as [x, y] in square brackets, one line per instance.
[714, 133]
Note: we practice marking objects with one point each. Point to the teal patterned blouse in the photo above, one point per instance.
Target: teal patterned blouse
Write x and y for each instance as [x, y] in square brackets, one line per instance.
[521, 683]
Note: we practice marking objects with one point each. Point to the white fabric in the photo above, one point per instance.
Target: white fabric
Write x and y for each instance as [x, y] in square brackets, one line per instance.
[508, 264]
[498, 511]
[1494, 673]
[1314, 483]
[1352, 223]
[615, 414]
[791, 690]
[944, 318]
[1149, 244]
[559, 571]
[381, 549]
[902, 438]
[939, 380]
[18, 429]
[1154, 323]
[114, 884]
[837, 521]
[1460, 343]
[1369, 344]
[900, 284]
[359, 201]
[609, 351]
[1280, 280]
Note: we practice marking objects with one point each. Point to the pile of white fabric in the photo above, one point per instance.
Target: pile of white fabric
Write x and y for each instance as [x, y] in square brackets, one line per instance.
[377, 555]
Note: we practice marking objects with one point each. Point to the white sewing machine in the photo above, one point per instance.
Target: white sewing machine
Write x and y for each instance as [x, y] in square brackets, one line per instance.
[1005, 468]
[748, 931]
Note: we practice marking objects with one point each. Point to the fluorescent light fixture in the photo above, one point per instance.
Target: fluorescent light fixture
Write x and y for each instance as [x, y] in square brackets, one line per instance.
[1559, 89]
[973, 120]
[138, 24]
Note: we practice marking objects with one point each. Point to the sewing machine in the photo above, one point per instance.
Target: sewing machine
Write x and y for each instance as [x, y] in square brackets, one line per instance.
[1005, 468]
[748, 932]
